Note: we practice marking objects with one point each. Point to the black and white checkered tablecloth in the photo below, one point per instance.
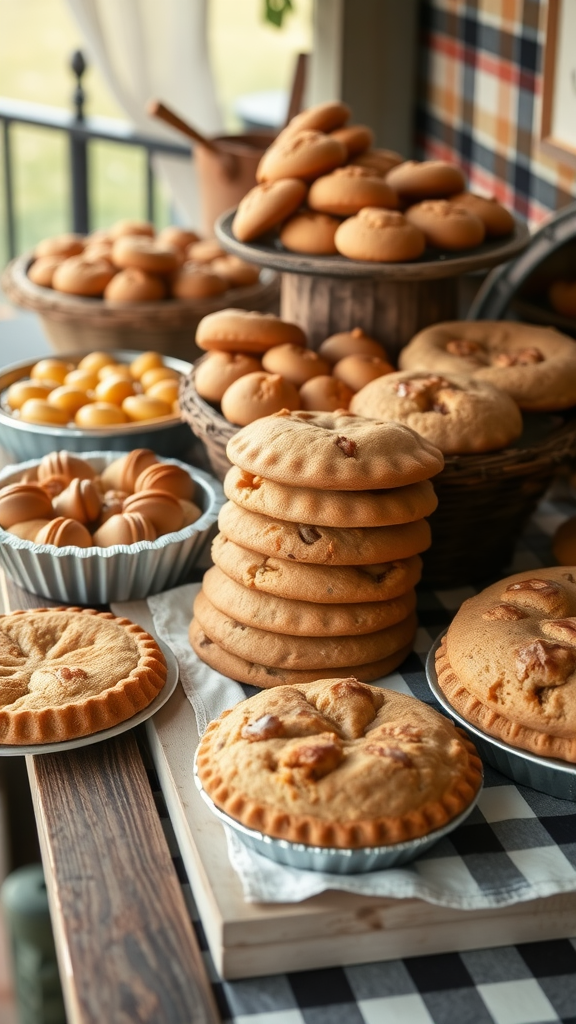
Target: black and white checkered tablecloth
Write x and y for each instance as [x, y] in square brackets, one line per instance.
[533, 983]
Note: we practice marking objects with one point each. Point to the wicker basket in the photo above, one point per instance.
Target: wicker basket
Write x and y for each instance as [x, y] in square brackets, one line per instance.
[207, 423]
[75, 324]
[485, 500]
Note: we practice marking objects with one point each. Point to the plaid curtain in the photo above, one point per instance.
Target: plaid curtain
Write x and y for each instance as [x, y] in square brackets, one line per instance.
[480, 96]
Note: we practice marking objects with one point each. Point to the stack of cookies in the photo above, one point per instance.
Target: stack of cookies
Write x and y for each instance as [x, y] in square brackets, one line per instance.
[317, 559]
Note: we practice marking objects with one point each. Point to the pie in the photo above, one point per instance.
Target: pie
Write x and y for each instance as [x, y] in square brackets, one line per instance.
[70, 672]
[338, 763]
[508, 661]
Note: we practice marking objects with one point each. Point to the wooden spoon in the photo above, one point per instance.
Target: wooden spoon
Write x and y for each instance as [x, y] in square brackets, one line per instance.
[229, 162]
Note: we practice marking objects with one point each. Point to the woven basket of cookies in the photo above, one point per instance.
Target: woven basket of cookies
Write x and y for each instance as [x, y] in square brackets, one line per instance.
[499, 400]
[256, 365]
[130, 288]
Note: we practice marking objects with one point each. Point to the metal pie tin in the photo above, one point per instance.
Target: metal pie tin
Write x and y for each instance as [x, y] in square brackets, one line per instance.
[334, 860]
[122, 572]
[22, 440]
[545, 774]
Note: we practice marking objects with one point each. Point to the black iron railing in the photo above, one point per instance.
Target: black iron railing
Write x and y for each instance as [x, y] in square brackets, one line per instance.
[81, 130]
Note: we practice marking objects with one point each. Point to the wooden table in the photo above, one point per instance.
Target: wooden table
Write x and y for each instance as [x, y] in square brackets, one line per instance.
[126, 946]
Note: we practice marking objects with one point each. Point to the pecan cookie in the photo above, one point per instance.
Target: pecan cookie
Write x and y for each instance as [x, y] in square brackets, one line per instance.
[338, 763]
[536, 366]
[300, 652]
[508, 662]
[322, 545]
[337, 450]
[330, 508]
[329, 584]
[297, 617]
[457, 413]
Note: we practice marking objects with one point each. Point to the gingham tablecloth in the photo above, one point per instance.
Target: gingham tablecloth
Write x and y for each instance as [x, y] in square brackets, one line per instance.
[524, 984]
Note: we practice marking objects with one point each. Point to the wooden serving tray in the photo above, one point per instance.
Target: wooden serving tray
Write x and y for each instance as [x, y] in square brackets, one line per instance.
[334, 928]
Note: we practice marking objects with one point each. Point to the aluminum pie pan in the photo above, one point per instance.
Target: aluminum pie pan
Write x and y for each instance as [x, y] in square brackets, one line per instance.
[332, 860]
[123, 572]
[545, 774]
[167, 437]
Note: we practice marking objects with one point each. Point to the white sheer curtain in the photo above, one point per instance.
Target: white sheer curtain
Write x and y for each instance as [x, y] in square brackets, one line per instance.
[156, 49]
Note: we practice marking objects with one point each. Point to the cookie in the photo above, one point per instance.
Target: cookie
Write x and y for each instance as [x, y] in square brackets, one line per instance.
[379, 160]
[536, 366]
[62, 245]
[194, 282]
[322, 545]
[133, 285]
[333, 451]
[497, 220]
[255, 395]
[323, 117]
[294, 617]
[294, 363]
[145, 254]
[508, 664]
[414, 180]
[357, 371]
[204, 251]
[564, 542]
[79, 276]
[350, 343]
[457, 413]
[324, 394]
[330, 508]
[348, 189]
[300, 652]
[235, 272]
[267, 205]
[304, 154]
[320, 584]
[218, 370]
[447, 225]
[177, 238]
[266, 677]
[238, 330]
[41, 271]
[311, 233]
[356, 137]
[383, 236]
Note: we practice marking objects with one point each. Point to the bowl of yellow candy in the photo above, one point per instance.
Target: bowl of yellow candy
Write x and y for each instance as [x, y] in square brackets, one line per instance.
[118, 400]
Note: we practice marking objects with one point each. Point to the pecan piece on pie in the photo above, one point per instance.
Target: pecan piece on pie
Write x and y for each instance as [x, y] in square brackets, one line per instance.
[540, 595]
[266, 727]
[350, 705]
[507, 612]
[542, 664]
[525, 357]
[461, 347]
[314, 758]
[396, 754]
[346, 445]
[561, 629]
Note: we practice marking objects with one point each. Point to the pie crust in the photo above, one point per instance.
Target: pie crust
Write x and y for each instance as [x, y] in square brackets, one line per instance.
[508, 661]
[338, 763]
[69, 672]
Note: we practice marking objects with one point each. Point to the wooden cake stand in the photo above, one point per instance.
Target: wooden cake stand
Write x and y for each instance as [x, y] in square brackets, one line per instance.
[390, 301]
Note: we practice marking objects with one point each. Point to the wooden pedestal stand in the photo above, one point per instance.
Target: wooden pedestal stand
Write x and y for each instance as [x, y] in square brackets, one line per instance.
[390, 301]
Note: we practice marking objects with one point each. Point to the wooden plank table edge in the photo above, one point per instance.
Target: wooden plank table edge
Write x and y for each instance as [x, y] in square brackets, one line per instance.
[125, 943]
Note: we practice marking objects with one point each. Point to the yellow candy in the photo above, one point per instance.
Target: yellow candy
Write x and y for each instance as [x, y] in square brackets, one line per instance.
[22, 390]
[157, 373]
[68, 398]
[94, 361]
[115, 370]
[145, 361]
[38, 410]
[165, 390]
[86, 380]
[142, 407]
[114, 389]
[99, 414]
[51, 369]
